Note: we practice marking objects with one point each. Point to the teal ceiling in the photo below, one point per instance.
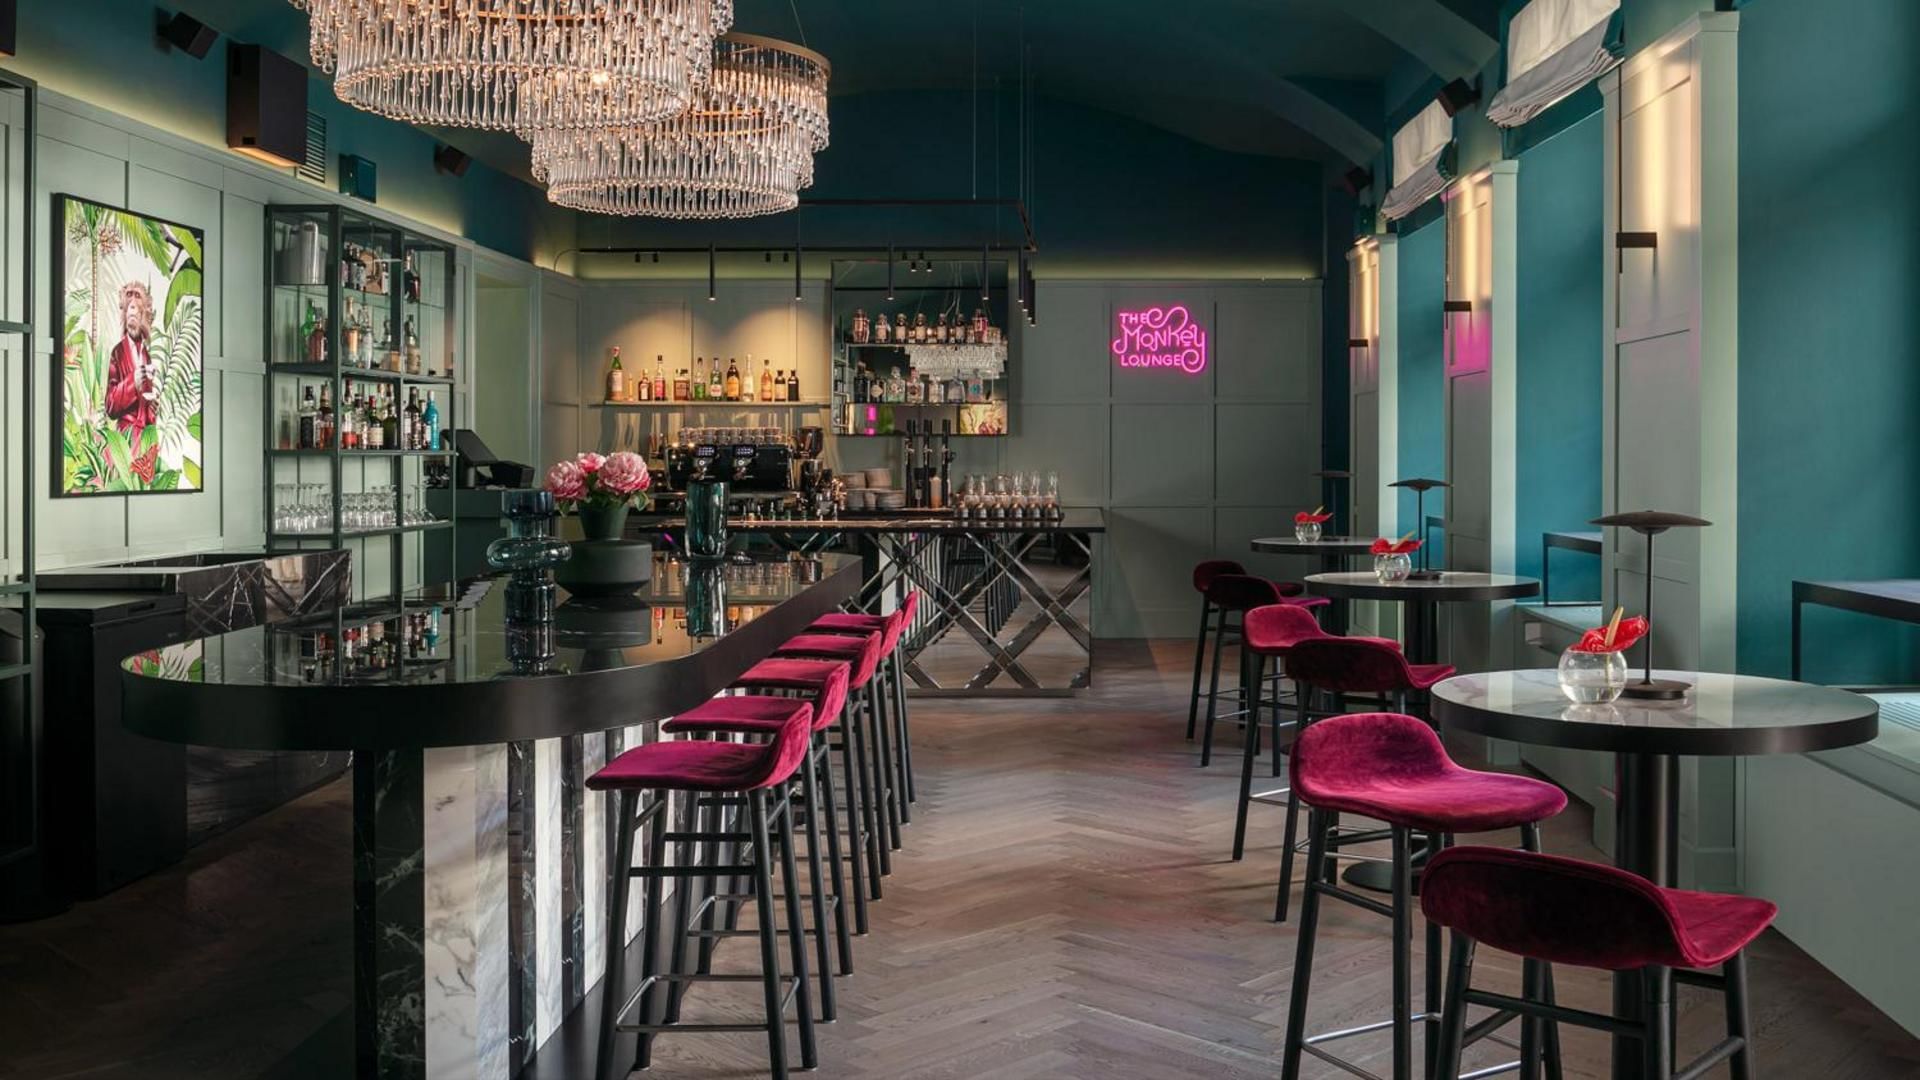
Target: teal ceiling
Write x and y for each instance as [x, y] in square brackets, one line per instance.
[1283, 78]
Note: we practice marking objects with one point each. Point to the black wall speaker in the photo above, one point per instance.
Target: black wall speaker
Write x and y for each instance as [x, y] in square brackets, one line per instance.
[1457, 95]
[9, 24]
[448, 160]
[1356, 180]
[358, 177]
[266, 105]
[188, 34]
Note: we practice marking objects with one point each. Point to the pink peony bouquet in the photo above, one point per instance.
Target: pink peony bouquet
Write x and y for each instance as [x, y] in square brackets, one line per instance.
[616, 479]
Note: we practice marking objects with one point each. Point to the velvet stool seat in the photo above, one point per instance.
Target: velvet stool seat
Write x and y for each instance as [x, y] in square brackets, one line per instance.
[761, 717]
[698, 783]
[1339, 667]
[893, 629]
[871, 747]
[808, 678]
[1551, 910]
[1230, 597]
[1270, 633]
[1392, 768]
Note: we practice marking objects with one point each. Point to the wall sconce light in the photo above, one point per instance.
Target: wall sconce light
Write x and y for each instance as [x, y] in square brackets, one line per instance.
[1647, 240]
[1452, 306]
[188, 34]
[1358, 343]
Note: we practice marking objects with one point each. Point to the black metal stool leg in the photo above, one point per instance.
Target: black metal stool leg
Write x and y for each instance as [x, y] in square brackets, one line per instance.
[1305, 694]
[690, 816]
[1213, 687]
[1549, 1029]
[1739, 1020]
[769, 939]
[1453, 1019]
[829, 819]
[884, 768]
[1436, 843]
[1296, 1040]
[1402, 955]
[888, 813]
[816, 882]
[625, 807]
[650, 931]
[1656, 1046]
[797, 933]
[1249, 752]
[853, 745]
[1199, 662]
[903, 739]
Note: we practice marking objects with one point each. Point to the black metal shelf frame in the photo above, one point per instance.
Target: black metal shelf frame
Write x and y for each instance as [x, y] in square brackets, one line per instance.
[341, 225]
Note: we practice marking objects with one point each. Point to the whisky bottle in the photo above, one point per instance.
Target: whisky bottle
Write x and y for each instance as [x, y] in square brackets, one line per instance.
[682, 386]
[616, 378]
[715, 390]
[766, 383]
[793, 385]
[659, 377]
[733, 380]
[309, 420]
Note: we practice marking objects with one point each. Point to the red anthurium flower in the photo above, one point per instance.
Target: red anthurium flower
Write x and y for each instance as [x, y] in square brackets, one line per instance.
[1305, 516]
[1595, 640]
[1384, 546]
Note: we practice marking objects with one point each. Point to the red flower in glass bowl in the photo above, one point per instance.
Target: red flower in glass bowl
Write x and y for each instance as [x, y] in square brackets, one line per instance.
[1384, 546]
[1305, 517]
[1629, 632]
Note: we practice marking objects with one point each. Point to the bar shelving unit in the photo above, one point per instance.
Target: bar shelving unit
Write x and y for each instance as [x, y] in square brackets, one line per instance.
[293, 296]
[950, 286]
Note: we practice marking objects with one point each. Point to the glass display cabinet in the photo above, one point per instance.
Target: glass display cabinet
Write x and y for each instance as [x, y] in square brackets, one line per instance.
[921, 346]
[361, 346]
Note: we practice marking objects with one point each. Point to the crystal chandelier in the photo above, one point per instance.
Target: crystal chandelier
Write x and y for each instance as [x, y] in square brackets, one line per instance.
[745, 148]
[518, 65]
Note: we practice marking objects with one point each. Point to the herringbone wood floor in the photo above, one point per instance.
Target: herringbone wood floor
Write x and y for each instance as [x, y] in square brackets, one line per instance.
[1063, 909]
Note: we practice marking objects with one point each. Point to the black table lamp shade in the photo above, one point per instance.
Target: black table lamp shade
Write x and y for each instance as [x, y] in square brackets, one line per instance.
[1651, 523]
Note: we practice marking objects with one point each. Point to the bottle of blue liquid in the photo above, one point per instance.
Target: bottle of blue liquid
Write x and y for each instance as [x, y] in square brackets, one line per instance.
[430, 419]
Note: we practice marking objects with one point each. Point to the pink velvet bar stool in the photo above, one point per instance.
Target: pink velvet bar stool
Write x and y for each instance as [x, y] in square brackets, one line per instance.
[1271, 632]
[1553, 910]
[702, 778]
[863, 655]
[758, 716]
[1392, 768]
[893, 629]
[1233, 595]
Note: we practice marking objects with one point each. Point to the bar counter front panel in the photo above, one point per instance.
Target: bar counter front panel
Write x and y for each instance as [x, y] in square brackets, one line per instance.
[1006, 605]
[481, 861]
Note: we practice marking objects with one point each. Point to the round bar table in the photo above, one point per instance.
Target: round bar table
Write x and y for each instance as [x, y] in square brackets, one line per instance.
[1423, 597]
[1333, 553]
[1721, 716]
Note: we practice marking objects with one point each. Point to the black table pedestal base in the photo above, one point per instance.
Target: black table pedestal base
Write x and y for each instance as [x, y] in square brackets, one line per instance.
[1378, 876]
[1657, 690]
[1646, 842]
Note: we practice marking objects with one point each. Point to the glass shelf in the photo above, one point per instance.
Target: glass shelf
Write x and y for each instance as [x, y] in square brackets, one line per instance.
[350, 454]
[711, 404]
[360, 534]
[327, 371]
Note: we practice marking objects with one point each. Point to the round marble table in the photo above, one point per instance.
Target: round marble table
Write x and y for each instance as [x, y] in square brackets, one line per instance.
[1422, 597]
[1721, 716]
[1333, 553]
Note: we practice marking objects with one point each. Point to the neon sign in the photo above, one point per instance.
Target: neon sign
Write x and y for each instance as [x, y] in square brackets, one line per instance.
[1160, 337]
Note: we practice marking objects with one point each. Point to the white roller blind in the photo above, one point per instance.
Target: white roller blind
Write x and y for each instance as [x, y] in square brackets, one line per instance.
[1419, 160]
[1554, 47]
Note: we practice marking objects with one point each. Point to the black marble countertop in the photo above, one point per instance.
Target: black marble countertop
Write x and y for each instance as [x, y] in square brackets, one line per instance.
[1073, 520]
[447, 668]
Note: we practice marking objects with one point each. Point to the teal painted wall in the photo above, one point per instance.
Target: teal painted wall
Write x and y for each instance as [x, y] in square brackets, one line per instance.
[103, 52]
[1561, 344]
[1829, 330]
[1423, 450]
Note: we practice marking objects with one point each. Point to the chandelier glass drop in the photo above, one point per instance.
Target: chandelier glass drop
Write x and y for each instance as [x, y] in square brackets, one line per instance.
[744, 149]
[518, 65]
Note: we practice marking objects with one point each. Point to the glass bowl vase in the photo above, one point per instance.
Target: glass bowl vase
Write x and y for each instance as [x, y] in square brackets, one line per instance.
[1306, 531]
[1389, 568]
[1592, 678]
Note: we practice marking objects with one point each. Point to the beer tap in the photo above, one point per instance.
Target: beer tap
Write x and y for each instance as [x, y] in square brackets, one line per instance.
[907, 469]
[946, 459]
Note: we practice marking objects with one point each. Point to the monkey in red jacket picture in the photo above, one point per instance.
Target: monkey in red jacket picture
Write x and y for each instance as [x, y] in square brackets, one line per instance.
[133, 379]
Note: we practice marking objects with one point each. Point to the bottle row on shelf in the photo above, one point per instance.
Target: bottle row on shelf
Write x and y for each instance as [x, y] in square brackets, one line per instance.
[358, 345]
[368, 419]
[705, 382]
[370, 650]
[365, 269]
[876, 330]
[905, 385]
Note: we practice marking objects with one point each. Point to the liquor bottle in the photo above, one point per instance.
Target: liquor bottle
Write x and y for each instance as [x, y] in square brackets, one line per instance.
[902, 335]
[643, 387]
[793, 385]
[766, 383]
[309, 420]
[389, 425]
[956, 390]
[733, 380]
[913, 395]
[317, 341]
[979, 336]
[412, 422]
[372, 435]
[349, 433]
[616, 378]
[862, 327]
[942, 333]
[430, 419]
[411, 282]
[896, 386]
[976, 388]
[682, 387]
[716, 390]
[699, 378]
[659, 377]
[860, 385]
[305, 332]
[920, 328]
[412, 341]
[323, 421]
[882, 330]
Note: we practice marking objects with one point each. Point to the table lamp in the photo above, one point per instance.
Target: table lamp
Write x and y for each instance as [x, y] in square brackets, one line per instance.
[1420, 485]
[1651, 523]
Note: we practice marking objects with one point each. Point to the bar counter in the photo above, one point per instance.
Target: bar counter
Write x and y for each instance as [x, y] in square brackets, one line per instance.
[996, 619]
[480, 860]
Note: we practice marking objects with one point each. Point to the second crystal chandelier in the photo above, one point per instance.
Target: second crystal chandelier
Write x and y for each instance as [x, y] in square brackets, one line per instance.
[518, 65]
[745, 147]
